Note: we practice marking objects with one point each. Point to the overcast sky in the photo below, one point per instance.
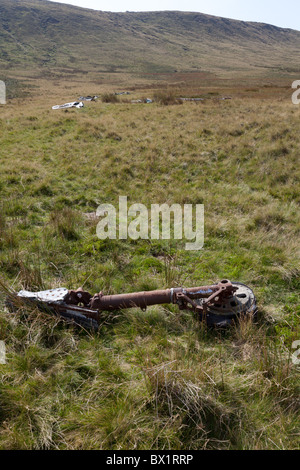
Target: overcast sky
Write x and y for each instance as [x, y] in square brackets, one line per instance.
[277, 12]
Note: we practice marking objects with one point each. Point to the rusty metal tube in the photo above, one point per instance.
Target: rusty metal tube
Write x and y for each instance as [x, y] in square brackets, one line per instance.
[146, 299]
[136, 299]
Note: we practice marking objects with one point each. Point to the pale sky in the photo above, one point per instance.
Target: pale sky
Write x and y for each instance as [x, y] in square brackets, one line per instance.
[277, 12]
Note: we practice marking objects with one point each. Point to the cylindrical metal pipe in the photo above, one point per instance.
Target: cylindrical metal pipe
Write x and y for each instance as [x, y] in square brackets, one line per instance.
[136, 299]
[146, 299]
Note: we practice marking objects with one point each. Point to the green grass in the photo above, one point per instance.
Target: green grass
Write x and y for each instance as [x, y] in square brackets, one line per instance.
[154, 380]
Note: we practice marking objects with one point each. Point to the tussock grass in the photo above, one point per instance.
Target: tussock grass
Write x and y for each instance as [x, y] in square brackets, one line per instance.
[166, 97]
[110, 98]
[65, 223]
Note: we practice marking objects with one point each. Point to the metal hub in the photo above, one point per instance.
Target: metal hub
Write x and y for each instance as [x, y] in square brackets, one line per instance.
[223, 311]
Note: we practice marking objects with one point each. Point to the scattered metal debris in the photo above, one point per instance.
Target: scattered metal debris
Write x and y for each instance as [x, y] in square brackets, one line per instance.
[146, 100]
[91, 216]
[191, 99]
[203, 99]
[217, 305]
[88, 98]
[74, 104]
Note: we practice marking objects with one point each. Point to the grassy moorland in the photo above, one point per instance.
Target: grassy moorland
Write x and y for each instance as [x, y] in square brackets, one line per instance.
[40, 36]
[154, 380]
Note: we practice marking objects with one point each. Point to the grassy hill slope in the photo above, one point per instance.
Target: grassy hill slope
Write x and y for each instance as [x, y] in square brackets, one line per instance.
[46, 35]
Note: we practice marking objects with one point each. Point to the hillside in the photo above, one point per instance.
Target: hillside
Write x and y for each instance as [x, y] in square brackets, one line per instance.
[45, 36]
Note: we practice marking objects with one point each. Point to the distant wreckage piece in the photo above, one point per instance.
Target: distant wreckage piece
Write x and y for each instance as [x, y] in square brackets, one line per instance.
[192, 99]
[88, 98]
[146, 100]
[74, 104]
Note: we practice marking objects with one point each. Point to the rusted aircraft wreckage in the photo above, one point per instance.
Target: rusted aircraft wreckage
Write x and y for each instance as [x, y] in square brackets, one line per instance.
[218, 305]
[74, 104]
